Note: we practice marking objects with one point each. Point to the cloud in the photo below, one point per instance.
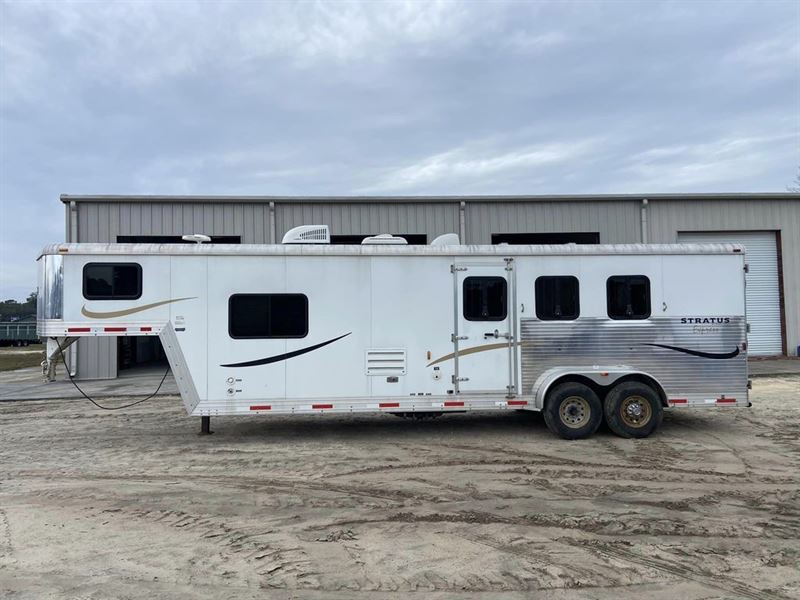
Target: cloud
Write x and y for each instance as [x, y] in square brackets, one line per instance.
[453, 167]
[307, 98]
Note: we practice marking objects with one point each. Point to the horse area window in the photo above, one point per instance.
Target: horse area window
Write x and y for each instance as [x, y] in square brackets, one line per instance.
[557, 298]
[485, 299]
[628, 297]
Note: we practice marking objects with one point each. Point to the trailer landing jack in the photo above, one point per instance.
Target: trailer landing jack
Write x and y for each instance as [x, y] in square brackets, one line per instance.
[205, 426]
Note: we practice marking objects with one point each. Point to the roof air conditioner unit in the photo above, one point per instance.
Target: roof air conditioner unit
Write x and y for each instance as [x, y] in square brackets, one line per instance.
[446, 239]
[308, 234]
[384, 239]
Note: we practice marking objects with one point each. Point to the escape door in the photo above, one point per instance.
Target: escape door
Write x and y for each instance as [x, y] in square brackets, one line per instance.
[483, 342]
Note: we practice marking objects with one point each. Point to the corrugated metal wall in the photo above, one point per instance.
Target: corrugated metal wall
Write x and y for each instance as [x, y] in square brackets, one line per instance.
[355, 218]
[617, 221]
[104, 221]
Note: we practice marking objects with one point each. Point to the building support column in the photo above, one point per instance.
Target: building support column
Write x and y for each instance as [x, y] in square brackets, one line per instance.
[462, 222]
[272, 232]
[644, 220]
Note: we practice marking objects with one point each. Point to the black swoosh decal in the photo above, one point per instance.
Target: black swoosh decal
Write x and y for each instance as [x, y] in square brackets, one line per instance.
[698, 353]
[280, 357]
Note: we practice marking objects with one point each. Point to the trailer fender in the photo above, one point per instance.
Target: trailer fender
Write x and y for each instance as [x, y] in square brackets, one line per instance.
[599, 375]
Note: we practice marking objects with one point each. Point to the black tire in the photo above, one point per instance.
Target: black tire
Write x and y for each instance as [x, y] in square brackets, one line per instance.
[572, 411]
[633, 410]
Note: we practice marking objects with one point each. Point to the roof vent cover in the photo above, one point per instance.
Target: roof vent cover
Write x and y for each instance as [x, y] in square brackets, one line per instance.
[384, 239]
[308, 234]
[446, 239]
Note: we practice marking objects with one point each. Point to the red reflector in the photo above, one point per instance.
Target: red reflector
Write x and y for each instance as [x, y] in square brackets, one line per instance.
[454, 404]
[726, 400]
[389, 405]
[261, 407]
[517, 402]
[145, 329]
[79, 329]
[322, 406]
[678, 401]
[114, 329]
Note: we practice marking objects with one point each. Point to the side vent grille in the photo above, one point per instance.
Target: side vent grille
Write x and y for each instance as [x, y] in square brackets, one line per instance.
[386, 361]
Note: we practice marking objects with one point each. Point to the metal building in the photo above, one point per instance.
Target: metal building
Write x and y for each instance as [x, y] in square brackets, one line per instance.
[768, 224]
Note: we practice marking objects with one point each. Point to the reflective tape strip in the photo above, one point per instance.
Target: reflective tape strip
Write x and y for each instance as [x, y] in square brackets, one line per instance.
[678, 401]
[517, 402]
[261, 407]
[145, 329]
[318, 406]
[79, 329]
[454, 404]
[726, 400]
[389, 405]
[114, 329]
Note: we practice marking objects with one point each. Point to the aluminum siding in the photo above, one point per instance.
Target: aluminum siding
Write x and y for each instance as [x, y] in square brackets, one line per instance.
[590, 341]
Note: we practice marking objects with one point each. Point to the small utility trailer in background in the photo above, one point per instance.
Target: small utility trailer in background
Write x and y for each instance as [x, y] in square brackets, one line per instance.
[18, 333]
[583, 333]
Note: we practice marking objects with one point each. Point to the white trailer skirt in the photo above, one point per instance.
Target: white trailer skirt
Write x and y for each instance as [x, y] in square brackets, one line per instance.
[763, 291]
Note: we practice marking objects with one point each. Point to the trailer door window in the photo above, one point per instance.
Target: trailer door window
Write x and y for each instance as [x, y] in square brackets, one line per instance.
[628, 297]
[557, 298]
[268, 316]
[485, 299]
[112, 281]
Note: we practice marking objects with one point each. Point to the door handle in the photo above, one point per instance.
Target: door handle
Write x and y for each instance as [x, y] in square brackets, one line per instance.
[494, 334]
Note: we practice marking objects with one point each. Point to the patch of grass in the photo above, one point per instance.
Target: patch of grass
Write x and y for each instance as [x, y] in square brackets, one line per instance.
[19, 358]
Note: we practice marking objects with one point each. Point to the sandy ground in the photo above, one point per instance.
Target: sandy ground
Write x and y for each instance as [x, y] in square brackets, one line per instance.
[135, 504]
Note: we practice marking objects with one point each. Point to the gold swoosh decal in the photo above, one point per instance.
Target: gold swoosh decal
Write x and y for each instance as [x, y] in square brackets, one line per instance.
[475, 350]
[128, 311]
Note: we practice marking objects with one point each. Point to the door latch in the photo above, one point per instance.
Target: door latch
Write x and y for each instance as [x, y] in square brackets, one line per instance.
[454, 337]
[496, 334]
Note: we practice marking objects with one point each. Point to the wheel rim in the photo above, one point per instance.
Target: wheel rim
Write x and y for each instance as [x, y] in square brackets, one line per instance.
[635, 411]
[575, 412]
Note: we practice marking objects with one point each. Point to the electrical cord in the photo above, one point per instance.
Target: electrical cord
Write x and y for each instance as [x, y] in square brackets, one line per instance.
[77, 387]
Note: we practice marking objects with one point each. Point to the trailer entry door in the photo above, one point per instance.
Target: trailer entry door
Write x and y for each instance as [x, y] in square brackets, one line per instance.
[482, 339]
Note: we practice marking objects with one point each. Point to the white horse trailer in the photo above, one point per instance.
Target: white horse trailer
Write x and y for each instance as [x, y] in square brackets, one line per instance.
[582, 333]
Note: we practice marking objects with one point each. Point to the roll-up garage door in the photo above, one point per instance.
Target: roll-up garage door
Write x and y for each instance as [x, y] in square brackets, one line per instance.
[763, 290]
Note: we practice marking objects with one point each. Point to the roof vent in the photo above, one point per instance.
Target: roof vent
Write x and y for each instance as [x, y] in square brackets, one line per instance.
[197, 238]
[307, 234]
[384, 239]
[446, 239]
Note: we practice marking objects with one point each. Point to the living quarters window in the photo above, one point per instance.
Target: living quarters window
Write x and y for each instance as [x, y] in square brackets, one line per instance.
[485, 299]
[557, 298]
[268, 316]
[628, 297]
[112, 281]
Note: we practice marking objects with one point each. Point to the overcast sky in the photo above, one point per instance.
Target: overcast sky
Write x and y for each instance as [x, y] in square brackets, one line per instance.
[187, 97]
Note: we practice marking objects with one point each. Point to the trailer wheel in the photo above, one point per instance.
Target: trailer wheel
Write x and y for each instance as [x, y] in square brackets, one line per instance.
[572, 411]
[633, 410]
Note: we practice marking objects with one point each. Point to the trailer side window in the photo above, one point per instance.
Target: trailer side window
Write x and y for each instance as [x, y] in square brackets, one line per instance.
[268, 316]
[628, 297]
[557, 298]
[112, 281]
[485, 299]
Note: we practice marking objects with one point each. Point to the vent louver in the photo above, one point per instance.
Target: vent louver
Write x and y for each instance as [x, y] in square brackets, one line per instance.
[386, 361]
[308, 234]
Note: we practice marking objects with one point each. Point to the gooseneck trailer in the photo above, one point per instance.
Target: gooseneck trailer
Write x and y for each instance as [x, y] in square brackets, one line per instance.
[583, 333]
